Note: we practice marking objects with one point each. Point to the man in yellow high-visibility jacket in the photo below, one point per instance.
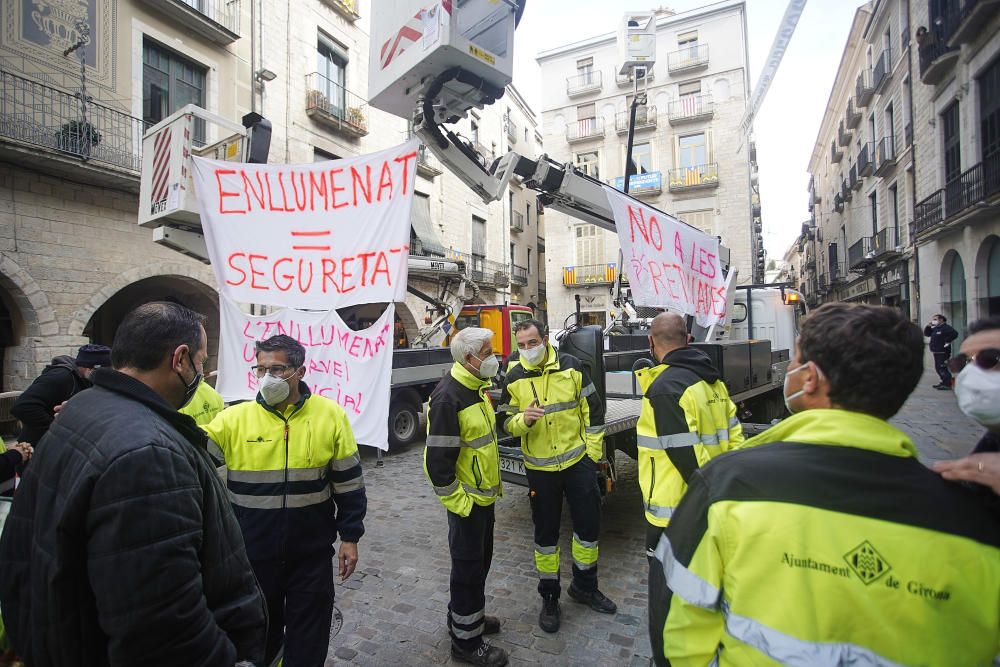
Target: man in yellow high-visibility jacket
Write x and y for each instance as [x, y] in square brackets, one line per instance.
[295, 481]
[826, 542]
[687, 419]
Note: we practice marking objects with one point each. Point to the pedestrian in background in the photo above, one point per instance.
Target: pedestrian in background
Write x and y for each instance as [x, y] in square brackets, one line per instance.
[550, 400]
[977, 388]
[121, 547]
[61, 380]
[294, 476]
[941, 334]
[462, 463]
[825, 541]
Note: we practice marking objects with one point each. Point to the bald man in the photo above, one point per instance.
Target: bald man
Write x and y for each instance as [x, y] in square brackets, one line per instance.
[687, 419]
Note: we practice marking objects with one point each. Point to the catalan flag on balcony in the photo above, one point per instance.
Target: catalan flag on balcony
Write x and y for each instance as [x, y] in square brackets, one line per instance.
[609, 272]
[689, 105]
[569, 275]
[692, 176]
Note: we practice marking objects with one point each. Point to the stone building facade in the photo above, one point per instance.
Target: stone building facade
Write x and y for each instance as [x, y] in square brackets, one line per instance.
[686, 147]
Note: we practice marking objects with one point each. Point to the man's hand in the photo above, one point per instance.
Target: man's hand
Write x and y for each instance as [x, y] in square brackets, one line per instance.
[348, 558]
[980, 468]
[24, 449]
[57, 409]
[533, 413]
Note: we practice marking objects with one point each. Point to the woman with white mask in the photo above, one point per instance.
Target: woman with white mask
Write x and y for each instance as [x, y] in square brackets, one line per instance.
[977, 388]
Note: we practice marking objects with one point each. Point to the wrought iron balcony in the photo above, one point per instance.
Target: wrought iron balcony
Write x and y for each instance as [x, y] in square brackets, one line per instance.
[689, 108]
[860, 255]
[852, 177]
[516, 221]
[330, 104]
[590, 274]
[866, 159]
[689, 59]
[928, 213]
[696, 176]
[863, 88]
[629, 80]
[215, 20]
[885, 155]
[836, 154]
[886, 243]
[582, 130]
[838, 203]
[936, 55]
[843, 135]
[518, 274]
[972, 18]
[882, 70]
[837, 271]
[853, 115]
[645, 118]
[583, 84]
[33, 115]
[845, 191]
[482, 270]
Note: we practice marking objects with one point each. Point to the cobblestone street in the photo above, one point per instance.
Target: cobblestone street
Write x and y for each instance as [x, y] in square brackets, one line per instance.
[394, 607]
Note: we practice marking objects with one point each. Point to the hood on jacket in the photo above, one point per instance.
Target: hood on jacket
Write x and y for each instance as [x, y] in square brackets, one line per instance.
[695, 361]
[63, 361]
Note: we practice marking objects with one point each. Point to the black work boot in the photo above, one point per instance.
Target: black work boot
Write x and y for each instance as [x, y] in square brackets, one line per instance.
[485, 655]
[595, 599]
[491, 625]
[548, 619]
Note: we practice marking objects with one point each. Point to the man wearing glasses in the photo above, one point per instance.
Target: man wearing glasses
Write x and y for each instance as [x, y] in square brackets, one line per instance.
[294, 477]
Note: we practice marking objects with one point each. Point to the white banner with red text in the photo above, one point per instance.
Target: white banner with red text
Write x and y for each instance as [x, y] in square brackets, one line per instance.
[322, 235]
[669, 264]
[353, 368]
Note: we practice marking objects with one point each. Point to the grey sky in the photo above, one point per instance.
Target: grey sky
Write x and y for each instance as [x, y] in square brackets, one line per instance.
[786, 126]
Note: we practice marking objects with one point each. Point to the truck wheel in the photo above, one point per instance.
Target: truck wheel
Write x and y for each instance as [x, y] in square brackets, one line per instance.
[404, 424]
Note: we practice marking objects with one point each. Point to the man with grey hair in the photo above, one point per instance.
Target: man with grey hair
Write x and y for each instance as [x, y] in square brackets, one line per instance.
[462, 462]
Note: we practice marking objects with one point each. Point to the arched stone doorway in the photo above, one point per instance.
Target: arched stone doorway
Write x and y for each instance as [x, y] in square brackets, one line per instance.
[953, 294]
[988, 276]
[190, 292]
[26, 319]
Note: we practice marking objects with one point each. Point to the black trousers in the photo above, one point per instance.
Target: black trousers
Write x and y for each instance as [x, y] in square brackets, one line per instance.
[941, 366]
[299, 597]
[470, 541]
[578, 484]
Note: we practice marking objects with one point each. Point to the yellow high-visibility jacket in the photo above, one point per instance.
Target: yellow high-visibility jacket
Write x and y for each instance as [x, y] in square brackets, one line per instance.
[294, 478]
[461, 458]
[204, 405]
[687, 419]
[826, 543]
[564, 435]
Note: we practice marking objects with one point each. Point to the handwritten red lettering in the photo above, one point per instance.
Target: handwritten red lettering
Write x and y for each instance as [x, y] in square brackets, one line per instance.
[232, 264]
[224, 194]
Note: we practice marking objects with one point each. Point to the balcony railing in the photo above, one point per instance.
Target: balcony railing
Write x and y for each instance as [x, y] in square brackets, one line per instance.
[860, 254]
[852, 178]
[908, 134]
[935, 54]
[882, 70]
[581, 84]
[645, 118]
[973, 17]
[590, 274]
[853, 115]
[687, 59]
[836, 154]
[44, 117]
[845, 190]
[886, 242]
[332, 105]
[838, 203]
[696, 176]
[885, 155]
[216, 20]
[518, 274]
[646, 183]
[843, 135]
[346, 8]
[866, 159]
[863, 89]
[582, 130]
[517, 221]
[928, 212]
[691, 108]
[482, 270]
[837, 272]
[628, 79]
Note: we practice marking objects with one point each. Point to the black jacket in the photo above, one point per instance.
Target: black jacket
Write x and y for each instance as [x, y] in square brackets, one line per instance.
[121, 547]
[9, 461]
[941, 337]
[58, 382]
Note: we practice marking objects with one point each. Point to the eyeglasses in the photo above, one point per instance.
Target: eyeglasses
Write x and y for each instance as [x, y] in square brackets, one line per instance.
[277, 370]
[987, 359]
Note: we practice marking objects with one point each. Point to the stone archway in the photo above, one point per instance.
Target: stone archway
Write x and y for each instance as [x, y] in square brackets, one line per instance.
[33, 331]
[988, 276]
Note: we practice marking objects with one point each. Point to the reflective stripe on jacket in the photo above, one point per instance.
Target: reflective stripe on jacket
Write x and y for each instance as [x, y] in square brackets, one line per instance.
[564, 435]
[832, 545]
[461, 458]
[687, 419]
[294, 479]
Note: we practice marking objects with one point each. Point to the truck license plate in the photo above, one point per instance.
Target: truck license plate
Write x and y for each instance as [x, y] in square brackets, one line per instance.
[515, 466]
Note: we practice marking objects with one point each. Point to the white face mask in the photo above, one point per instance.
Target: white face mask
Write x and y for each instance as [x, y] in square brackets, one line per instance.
[534, 355]
[978, 394]
[273, 390]
[800, 392]
[488, 367]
